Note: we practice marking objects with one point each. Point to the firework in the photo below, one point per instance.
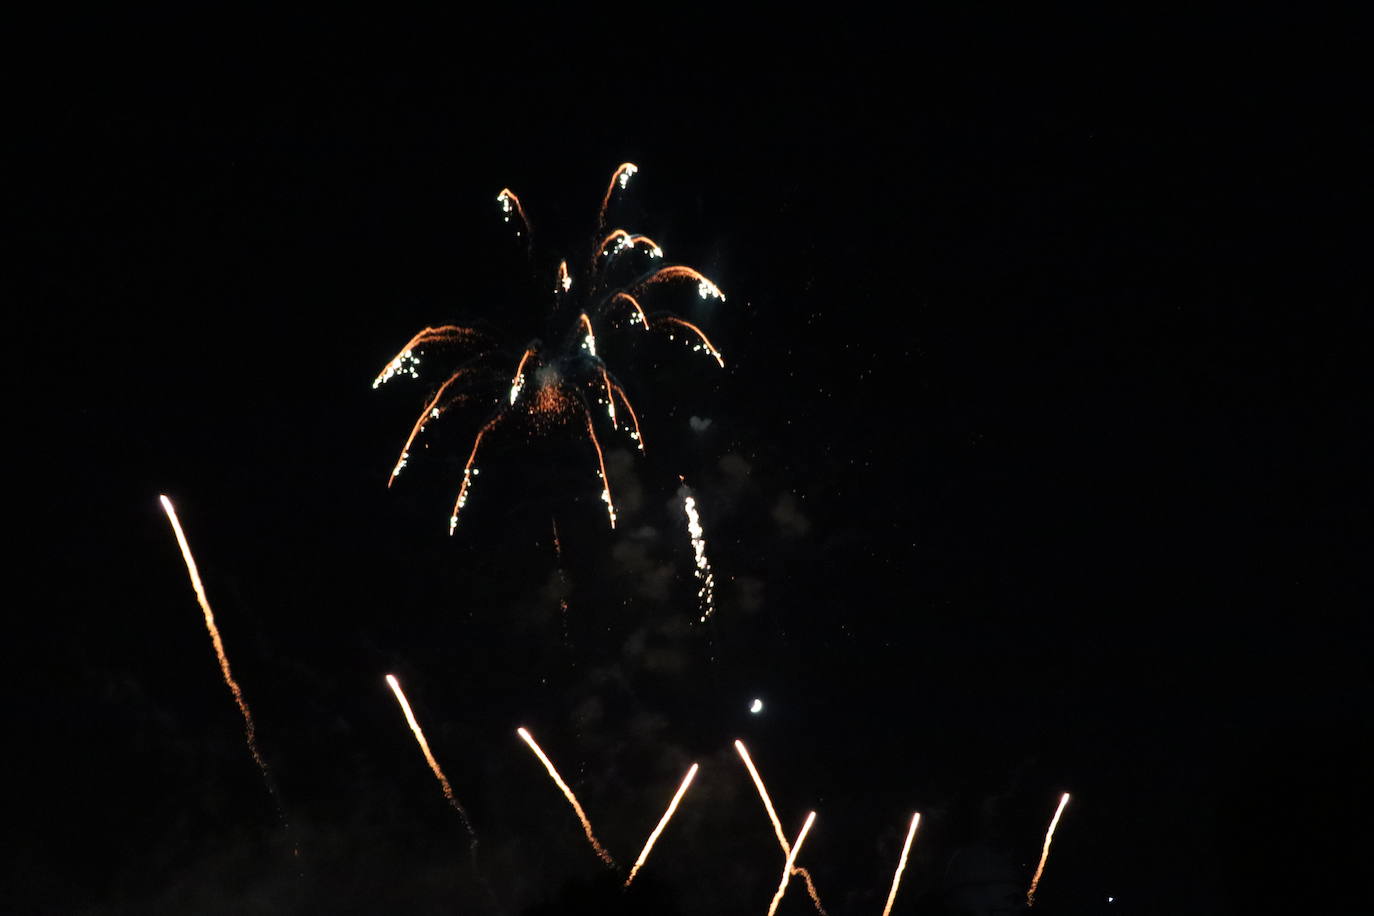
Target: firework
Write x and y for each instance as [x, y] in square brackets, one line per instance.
[901, 864]
[791, 862]
[663, 822]
[1045, 852]
[537, 387]
[706, 594]
[567, 793]
[777, 825]
[249, 729]
[429, 756]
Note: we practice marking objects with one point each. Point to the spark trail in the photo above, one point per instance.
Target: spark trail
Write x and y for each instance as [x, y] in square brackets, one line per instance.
[901, 864]
[791, 863]
[249, 729]
[1045, 852]
[429, 756]
[567, 793]
[706, 594]
[663, 822]
[777, 825]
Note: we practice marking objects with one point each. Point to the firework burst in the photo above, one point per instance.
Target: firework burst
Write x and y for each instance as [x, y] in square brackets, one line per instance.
[561, 380]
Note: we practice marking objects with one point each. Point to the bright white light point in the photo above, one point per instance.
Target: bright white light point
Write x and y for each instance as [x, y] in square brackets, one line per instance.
[756, 707]
[1111, 899]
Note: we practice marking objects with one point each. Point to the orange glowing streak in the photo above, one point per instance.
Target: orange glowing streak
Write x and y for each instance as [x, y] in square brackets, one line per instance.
[467, 477]
[518, 380]
[610, 189]
[610, 397]
[1045, 853]
[601, 459]
[590, 341]
[431, 412]
[424, 747]
[643, 318]
[901, 864]
[663, 822]
[773, 818]
[249, 730]
[567, 793]
[710, 348]
[443, 334]
[682, 272]
[606, 242]
[791, 860]
[508, 195]
[564, 281]
[639, 439]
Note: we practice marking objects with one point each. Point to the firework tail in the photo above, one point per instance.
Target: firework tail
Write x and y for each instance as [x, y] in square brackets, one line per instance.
[791, 863]
[429, 756]
[249, 729]
[567, 793]
[901, 864]
[1045, 852]
[663, 822]
[777, 825]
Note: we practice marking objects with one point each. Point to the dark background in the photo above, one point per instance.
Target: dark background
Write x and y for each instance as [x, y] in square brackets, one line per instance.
[1037, 464]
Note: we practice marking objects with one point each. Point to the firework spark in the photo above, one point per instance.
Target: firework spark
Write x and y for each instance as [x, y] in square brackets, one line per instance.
[1045, 852]
[901, 864]
[548, 385]
[791, 863]
[706, 594]
[249, 729]
[429, 756]
[777, 825]
[663, 822]
[567, 793]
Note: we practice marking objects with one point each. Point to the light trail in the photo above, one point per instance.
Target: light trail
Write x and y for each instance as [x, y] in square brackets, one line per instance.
[567, 793]
[1045, 852]
[429, 756]
[901, 864]
[791, 863]
[663, 822]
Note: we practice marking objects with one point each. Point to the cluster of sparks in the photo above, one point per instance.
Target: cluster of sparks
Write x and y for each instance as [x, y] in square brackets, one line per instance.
[706, 590]
[558, 384]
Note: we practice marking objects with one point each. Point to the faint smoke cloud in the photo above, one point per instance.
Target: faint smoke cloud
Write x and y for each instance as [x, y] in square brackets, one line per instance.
[699, 424]
[787, 513]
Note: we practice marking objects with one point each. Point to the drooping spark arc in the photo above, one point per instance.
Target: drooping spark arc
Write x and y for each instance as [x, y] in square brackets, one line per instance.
[791, 862]
[405, 361]
[901, 864]
[625, 241]
[705, 343]
[468, 473]
[429, 756]
[705, 288]
[1045, 852]
[510, 202]
[589, 341]
[639, 309]
[621, 176]
[431, 412]
[564, 278]
[663, 822]
[634, 418]
[567, 793]
[605, 481]
[518, 382]
[249, 729]
[777, 825]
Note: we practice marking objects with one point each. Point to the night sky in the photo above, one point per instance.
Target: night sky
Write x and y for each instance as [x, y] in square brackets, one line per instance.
[1037, 465]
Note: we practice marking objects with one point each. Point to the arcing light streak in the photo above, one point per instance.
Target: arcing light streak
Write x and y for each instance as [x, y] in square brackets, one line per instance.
[901, 864]
[605, 481]
[508, 202]
[424, 747]
[663, 822]
[404, 363]
[634, 418]
[706, 344]
[1045, 852]
[249, 729]
[431, 412]
[639, 309]
[620, 176]
[469, 472]
[791, 861]
[567, 793]
[705, 287]
[777, 825]
[518, 382]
